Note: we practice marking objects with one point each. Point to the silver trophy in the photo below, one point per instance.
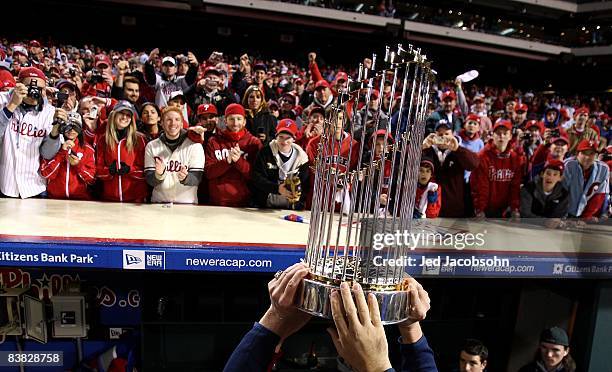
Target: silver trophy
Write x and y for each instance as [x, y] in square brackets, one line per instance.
[365, 189]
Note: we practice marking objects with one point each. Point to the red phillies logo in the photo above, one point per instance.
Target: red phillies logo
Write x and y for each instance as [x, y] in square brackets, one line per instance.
[29, 130]
[174, 166]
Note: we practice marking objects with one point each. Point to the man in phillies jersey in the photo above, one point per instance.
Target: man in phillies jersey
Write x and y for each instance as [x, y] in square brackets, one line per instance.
[230, 155]
[29, 129]
[587, 180]
[173, 163]
[496, 182]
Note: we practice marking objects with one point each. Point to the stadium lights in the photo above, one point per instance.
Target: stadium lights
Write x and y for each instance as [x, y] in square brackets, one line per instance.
[507, 31]
[597, 27]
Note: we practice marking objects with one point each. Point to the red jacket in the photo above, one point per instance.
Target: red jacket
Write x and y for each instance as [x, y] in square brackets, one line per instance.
[66, 181]
[102, 89]
[345, 147]
[131, 187]
[228, 183]
[496, 182]
[433, 209]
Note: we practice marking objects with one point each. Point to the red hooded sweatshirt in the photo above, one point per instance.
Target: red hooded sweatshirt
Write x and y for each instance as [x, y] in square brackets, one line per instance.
[228, 183]
[496, 182]
[130, 187]
[66, 181]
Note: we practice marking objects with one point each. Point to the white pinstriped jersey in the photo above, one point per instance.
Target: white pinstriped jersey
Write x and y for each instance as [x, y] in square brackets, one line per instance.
[189, 154]
[20, 149]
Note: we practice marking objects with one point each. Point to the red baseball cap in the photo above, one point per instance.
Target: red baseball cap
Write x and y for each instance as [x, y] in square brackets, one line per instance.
[341, 76]
[31, 72]
[534, 123]
[501, 123]
[581, 110]
[375, 93]
[6, 79]
[473, 117]
[287, 126]
[448, 94]
[561, 138]
[34, 43]
[212, 70]
[207, 108]
[587, 145]
[234, 109]
[384, 133]
[522, 107]
[555, 164]
[321, 84]
[102, 58]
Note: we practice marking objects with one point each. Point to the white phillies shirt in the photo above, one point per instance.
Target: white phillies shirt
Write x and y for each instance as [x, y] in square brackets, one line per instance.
[20, 149]
[189, 154]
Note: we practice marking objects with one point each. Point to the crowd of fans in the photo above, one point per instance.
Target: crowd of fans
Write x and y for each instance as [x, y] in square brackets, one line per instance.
[139, 127]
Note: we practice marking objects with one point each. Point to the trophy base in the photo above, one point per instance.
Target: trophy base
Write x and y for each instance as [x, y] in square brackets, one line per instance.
[315, 300]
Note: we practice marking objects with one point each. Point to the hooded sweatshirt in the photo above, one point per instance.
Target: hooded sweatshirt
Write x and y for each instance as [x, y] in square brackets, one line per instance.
[66, 181]
[496, 182]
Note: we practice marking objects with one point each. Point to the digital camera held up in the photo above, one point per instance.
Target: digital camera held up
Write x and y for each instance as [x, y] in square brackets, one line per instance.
[96, 76]
[34, 91]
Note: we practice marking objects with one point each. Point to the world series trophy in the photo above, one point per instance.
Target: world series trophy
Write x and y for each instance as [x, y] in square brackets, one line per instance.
[365, 189]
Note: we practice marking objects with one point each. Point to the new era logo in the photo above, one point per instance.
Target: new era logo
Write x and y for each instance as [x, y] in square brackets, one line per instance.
[132, 260]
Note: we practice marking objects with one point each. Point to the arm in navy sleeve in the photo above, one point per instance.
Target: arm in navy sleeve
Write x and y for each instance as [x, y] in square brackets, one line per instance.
[418, 357]
[254, 352]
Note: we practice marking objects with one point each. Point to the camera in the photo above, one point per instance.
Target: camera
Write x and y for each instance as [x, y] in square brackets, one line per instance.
[439, 140]
[96, 76]
[34, 91]
[72, 71]
[61, 98]
[554, 133]
[527, 136]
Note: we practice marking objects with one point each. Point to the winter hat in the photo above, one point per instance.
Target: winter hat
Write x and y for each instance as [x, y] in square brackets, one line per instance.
[234, 109]
[427, 163]
[555, 335]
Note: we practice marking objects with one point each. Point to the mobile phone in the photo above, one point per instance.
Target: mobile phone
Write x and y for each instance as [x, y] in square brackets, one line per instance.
[93, 112]
[439, 140]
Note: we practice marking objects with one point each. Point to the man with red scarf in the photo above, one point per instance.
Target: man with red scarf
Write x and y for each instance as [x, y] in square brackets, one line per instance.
[230, 155]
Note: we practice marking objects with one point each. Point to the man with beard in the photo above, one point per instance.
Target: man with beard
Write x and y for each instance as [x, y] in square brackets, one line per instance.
[323, 98]
[580, 131]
